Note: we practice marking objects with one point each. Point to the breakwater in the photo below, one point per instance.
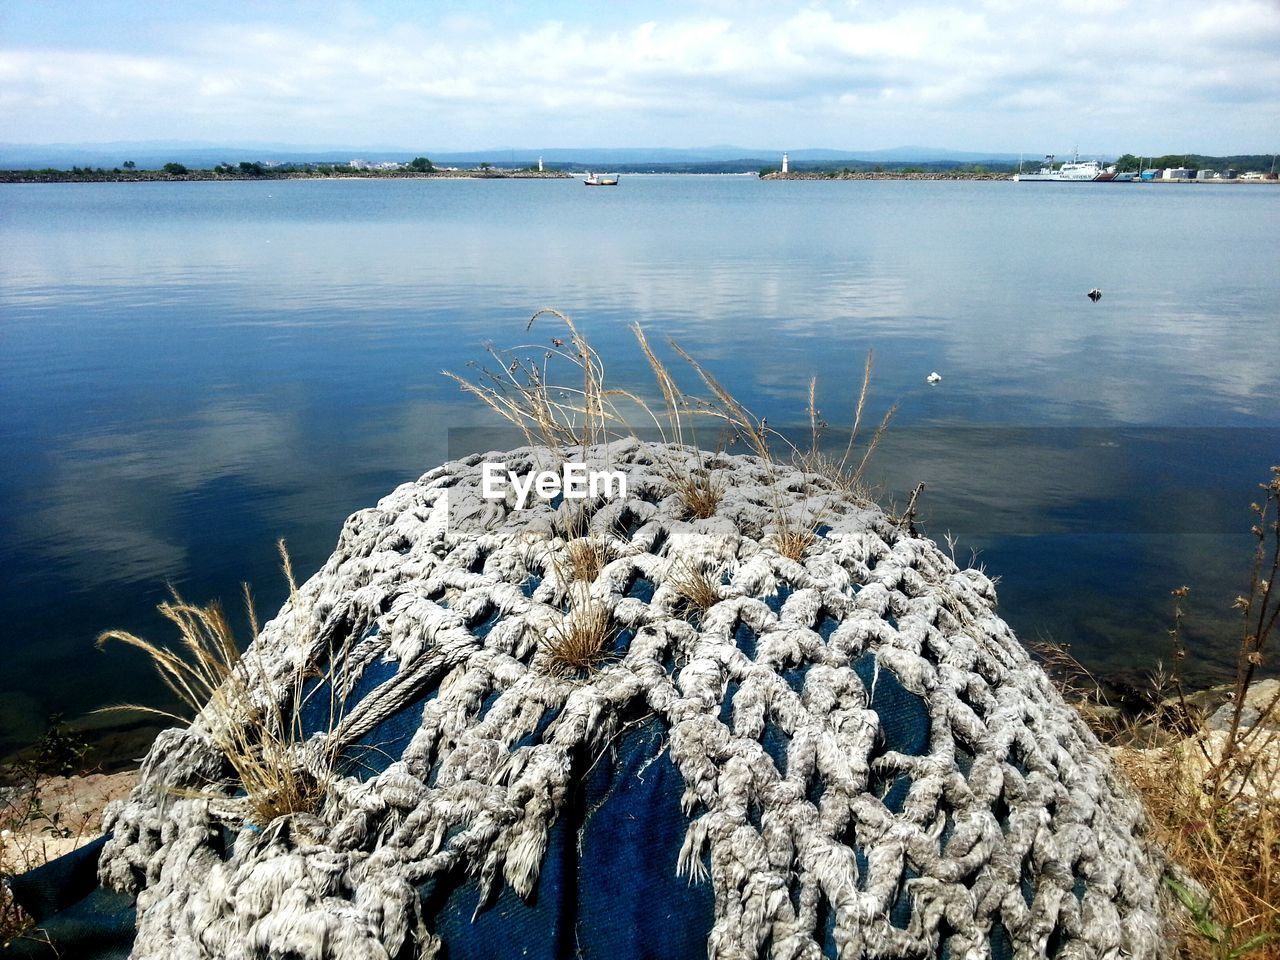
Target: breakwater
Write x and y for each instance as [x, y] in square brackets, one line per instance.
[147, 176]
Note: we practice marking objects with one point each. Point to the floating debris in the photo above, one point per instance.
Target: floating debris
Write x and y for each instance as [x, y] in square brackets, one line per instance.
[934, 377]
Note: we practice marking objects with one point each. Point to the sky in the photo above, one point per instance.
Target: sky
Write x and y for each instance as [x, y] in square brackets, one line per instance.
[1106, 76]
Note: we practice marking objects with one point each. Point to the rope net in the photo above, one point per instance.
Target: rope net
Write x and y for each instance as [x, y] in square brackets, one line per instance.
[846, 754]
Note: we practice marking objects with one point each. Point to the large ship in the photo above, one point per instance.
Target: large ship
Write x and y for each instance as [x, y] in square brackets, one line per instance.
[1074, 171]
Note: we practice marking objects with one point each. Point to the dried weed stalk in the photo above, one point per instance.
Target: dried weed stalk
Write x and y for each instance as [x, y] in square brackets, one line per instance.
[561, 412]
[258, 728]
[1213, 797]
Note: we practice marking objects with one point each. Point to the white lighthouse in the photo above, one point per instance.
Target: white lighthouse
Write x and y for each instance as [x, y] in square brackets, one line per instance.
[786, 163]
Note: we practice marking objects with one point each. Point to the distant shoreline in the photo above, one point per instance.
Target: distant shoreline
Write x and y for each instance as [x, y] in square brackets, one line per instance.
[968, 175]
[161, 176]
[884, 175]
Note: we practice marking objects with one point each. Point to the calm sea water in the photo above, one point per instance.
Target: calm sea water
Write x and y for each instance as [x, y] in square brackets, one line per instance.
[190, 371]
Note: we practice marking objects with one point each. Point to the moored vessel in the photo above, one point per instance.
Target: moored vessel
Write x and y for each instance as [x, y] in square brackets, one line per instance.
[1073, 171]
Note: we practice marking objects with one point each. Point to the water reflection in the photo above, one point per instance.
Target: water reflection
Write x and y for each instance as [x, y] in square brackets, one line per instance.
[188, 371]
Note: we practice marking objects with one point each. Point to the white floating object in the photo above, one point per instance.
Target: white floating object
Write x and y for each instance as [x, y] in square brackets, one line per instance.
[934, 377]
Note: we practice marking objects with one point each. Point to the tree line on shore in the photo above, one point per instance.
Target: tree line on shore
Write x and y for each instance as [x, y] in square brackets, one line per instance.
[245, 170]
[1196, 161]
[422, 166]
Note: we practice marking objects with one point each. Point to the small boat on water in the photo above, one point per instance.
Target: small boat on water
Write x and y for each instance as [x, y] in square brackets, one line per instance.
[1073, 171]
[595, 180]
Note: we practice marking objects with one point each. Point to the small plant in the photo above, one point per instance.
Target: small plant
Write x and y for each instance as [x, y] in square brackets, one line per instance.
[581, 643]
[586, 557]
[792, 539]
[60, 751]
[698, 589]
[1214, 796]
[700, 493]
[234, 700]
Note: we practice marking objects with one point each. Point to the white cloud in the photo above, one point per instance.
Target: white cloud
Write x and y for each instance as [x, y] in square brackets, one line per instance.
[855, 75]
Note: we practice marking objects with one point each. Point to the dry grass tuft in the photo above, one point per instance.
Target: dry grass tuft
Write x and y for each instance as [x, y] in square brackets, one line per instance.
[698, 588]
[232, 698]
[848, 470]
[700, 493]
[586, 557]
[528, 387]
[551, 410]
[582, 642]
[792, 540]
[584, 553]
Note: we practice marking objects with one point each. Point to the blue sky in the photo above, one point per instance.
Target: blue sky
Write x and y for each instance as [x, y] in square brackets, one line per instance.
[999, 75]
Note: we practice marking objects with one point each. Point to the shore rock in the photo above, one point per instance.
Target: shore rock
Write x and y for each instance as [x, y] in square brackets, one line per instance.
[1261, 696]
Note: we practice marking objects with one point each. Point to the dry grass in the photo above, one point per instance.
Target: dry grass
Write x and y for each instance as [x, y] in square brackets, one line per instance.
[1227, 844]
[585, 553]
[792, 539]
[1081, 688]
[560, 401]
[1213, 796]
[238, 706]
[582, 642]
[698, 588]
[848, 470]
[586, 557]
[700, 493]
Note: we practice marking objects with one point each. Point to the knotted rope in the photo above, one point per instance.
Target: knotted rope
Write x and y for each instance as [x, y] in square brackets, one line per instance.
[871, 763]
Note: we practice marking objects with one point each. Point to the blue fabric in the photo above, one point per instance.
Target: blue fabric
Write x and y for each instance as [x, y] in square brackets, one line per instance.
[608, 887]
[74, 916]
[45, 890]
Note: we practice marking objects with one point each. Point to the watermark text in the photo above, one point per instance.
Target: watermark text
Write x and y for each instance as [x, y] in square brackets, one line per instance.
[574, 481]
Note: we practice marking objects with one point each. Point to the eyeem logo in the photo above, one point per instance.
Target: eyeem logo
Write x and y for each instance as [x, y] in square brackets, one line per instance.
[576, 481]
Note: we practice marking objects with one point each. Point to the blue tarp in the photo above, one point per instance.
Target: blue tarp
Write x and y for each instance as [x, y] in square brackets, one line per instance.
[75, 918]
[608, 887]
